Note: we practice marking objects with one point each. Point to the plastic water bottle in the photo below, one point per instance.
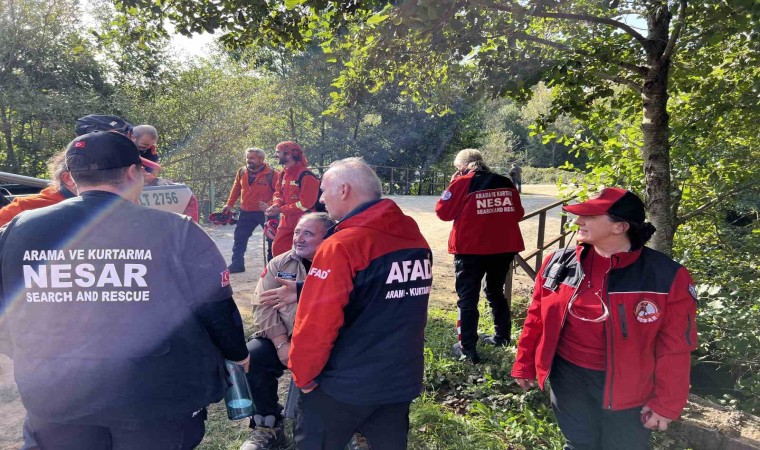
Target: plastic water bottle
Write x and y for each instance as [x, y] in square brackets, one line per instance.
[238, 398]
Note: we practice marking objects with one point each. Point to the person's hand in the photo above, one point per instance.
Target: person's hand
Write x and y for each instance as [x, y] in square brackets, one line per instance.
[653, 421]
[263, 206]
[526, 383]
[455, 176]
[273, 210]
[277, 298]
[226, 209]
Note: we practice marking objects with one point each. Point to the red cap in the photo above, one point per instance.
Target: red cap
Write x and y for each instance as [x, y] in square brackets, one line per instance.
[617, 202]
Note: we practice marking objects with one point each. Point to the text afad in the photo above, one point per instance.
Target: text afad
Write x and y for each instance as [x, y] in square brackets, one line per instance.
[412, 270]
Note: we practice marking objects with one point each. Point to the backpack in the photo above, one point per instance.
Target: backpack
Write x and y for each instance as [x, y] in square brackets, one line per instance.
[318, 206]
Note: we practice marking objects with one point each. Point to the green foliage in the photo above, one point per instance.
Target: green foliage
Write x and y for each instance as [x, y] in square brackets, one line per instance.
[723, 262]
[48, 74]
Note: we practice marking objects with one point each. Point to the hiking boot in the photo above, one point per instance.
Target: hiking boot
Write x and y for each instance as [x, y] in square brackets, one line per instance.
[265, 437]
[464, 353]
[236, 268]
[495, 340]
[359, 442]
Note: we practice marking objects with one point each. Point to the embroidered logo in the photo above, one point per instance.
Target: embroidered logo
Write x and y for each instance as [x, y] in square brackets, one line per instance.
[264, 272]
[647, 311]
[446, 195]
[226, 278]
[693, 292]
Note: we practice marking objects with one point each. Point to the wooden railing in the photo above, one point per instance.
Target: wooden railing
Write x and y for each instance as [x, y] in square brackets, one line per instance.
[530, 262]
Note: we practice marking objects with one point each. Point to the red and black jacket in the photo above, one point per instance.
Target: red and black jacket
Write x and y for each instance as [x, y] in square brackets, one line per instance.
[359, 328]
[650, 333]
[486, 211]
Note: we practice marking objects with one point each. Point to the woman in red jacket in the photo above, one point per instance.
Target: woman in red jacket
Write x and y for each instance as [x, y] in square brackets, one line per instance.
[612, 326]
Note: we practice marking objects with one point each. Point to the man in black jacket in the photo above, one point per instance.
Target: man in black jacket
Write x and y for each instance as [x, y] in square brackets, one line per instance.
[118, 337]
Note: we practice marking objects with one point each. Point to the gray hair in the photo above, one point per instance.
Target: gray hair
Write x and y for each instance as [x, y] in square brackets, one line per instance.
[256, 150]
[320, 217]
[56, 166]
[359, 175]
[472, 159]
[141, 130]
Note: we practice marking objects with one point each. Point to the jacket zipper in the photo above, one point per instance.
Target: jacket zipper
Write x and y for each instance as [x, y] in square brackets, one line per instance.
[610, 336]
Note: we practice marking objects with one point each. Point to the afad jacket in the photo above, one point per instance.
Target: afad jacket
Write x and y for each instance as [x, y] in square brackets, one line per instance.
[486, 211]
[294, 199]
[360, 322]
[48, 196]
[650, 332]
[250, 194]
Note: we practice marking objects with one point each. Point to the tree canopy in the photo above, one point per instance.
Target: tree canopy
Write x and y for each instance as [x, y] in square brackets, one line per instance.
[585, 49]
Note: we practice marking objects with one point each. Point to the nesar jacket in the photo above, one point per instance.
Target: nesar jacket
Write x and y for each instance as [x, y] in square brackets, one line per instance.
[486, 209]
[650, 332]
[360, 322]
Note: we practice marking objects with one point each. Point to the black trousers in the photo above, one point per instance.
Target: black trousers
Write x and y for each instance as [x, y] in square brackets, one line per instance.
[247, 223]
[182, 434]
[470, 270]
[264, 372]
[577, 396]
[324, 423]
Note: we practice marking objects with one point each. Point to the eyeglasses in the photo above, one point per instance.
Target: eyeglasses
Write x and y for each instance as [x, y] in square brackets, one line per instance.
[602, 318]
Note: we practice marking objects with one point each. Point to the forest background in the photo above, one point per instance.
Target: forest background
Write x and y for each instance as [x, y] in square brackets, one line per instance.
[556, 86]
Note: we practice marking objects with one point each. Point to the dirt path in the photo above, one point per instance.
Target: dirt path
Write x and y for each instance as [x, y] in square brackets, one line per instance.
[420, 207]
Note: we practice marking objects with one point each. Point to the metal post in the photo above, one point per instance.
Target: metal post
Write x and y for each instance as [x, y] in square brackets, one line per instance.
[408, 189]
[540, 240]
[390, 189]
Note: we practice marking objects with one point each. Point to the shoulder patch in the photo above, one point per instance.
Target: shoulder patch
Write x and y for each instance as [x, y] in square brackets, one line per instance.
[226, 278]
[446, 195]
[693, 292]
[647, 311]
[264, 272]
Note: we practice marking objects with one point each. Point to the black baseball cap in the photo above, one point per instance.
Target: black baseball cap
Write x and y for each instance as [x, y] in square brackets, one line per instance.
[98, 122]
[617, 202]
[104, 150]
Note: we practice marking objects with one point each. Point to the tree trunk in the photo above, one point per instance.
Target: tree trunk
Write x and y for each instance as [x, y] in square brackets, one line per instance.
[656, 149]
[292, 123]
[10, 161]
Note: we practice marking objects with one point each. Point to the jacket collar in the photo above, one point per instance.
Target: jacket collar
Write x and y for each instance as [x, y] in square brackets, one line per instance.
[619, 260]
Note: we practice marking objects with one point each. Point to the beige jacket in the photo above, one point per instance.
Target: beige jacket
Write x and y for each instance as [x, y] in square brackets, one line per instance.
[267, 321]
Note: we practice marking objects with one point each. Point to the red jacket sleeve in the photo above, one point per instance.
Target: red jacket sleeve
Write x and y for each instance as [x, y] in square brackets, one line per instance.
[320, 312]
[307, 197]
[277, 197]
[235, 192]
[525, 361]
[452, 201]
[675, 342]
